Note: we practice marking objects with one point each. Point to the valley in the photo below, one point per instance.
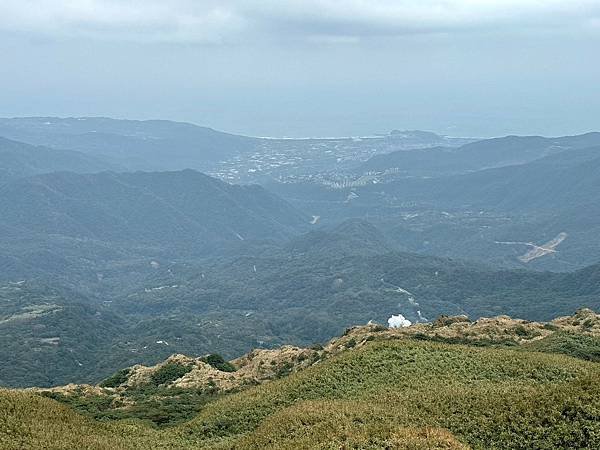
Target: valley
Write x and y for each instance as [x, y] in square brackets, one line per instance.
[299, 225]
[136, 290]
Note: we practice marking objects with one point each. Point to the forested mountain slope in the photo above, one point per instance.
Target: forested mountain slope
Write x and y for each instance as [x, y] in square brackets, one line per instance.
[147, 145]
[487, 153]
[181, 208]
[294, 294]
[18, 160]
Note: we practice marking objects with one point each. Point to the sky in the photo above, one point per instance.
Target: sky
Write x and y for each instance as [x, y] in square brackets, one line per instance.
[302, 68]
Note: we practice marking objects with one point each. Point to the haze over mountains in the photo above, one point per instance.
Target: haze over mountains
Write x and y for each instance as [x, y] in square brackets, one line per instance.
[342, 231]
[380, 229]
[137, 145]
[18, 160]
[470, 214]
[139, 207]
[153, 145]
[489, 153]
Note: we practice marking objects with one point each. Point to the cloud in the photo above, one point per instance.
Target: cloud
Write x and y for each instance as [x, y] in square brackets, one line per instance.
[398, 321]
[330, 21]
[129, 20]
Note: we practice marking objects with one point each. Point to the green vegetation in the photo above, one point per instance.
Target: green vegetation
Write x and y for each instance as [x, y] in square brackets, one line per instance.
[116, 379]
[32, 422]
[480, 342]
[229, 309]
[169, 372]
[399, 394]
[577, 345]
[156, 406]
[218, 362]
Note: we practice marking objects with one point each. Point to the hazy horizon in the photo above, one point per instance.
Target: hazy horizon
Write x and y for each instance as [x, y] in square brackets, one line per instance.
[316, 68]
[301, 137]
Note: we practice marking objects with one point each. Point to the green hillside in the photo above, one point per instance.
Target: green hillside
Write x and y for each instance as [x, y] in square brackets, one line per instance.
[51, 336]
[494, 215]
[160, 208]
[18, 159]
[403, 394]
[301, 294]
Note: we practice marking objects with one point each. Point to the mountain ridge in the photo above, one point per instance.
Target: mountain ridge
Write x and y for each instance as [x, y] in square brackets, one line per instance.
[19, 160]
[448, 388]
[478, 155]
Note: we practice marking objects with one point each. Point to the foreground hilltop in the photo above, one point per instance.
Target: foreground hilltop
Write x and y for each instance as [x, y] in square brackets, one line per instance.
[131, 391]
[373, 387]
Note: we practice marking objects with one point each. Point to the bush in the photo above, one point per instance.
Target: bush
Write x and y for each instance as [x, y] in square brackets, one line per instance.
[443, 320]
[219, 363]
[169, 372]
[116, 379]
[577, 345]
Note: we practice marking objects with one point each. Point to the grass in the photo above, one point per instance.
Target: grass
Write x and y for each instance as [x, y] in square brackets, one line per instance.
[426, 384]
[389, 394]
[29, 422]
[577, 345]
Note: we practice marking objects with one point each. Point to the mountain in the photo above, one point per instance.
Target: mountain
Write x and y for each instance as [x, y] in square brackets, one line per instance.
[18, 160]
[505, 151]
[554, 182]
[492, 215]
[352, 237]
[299, 293]
[133, 144]
[51, 336]
[373, 387]
[301, 298]
[177, 208]
[99, 234]
[423, 139]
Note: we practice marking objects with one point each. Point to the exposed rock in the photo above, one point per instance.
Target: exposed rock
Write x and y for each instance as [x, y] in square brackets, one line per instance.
[140, 375]
[83, 390]
[444, 321]
[261, 365]
[583, 321]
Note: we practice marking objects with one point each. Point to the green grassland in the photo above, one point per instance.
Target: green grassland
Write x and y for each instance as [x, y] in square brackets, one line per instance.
[389, 394]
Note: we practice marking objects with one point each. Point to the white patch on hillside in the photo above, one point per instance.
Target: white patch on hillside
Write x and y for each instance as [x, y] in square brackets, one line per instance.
[537, 251]
[160, 288]
[351, 196]
[398, 321]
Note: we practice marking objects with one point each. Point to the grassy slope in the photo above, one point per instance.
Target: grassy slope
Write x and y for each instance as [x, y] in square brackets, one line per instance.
[28, 421]
[392, 393]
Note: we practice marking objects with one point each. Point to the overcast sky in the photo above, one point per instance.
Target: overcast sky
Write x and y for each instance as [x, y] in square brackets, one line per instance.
[308, 67]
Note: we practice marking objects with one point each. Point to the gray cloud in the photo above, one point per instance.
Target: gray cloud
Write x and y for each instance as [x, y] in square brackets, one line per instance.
[332, 21]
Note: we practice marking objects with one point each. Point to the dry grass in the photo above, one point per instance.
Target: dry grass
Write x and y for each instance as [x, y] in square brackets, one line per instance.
[391, 394]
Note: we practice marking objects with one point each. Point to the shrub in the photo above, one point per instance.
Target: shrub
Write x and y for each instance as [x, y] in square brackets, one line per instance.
[116, 379]
[577, 345]
[443, 321]
[218, 362]
[169, 372]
